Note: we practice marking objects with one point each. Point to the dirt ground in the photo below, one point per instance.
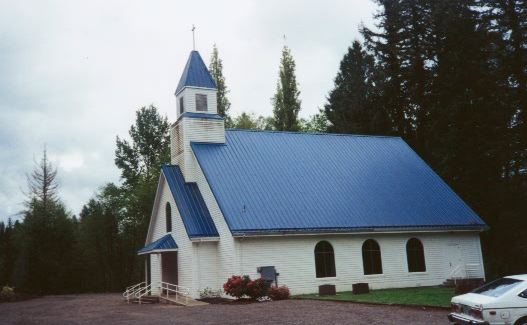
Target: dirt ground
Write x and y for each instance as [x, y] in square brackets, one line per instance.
[102, 309]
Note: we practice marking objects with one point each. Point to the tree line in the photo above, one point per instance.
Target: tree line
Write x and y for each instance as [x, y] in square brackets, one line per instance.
[449, 77]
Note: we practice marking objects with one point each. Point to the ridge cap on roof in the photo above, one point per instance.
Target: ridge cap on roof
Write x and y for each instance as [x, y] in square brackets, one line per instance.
[316, 133]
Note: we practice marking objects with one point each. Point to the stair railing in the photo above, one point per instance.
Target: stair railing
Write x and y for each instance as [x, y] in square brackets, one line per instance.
[457, 271]
[141, 292]
[167, 288]
[131, 290]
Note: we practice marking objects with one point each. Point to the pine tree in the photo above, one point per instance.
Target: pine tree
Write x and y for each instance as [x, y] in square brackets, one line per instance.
[48, 248]
[42, 183]
[286, 102]
[352, 106]
[387, 45]
[216, 70]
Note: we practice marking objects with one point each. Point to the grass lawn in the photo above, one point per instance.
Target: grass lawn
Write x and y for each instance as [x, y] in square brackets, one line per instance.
[423, 296]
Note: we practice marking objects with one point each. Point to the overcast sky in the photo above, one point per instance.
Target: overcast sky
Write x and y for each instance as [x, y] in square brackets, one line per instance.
[72, 73]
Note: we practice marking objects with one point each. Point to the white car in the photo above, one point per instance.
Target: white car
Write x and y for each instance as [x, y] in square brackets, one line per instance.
[503, 301]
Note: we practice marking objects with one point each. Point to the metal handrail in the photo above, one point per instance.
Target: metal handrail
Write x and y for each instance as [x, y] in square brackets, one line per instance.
[131, 290]
[178, 290]
[143, 291]
[133, 287]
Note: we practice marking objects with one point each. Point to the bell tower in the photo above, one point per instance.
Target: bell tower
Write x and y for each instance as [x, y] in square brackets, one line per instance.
[197, 115]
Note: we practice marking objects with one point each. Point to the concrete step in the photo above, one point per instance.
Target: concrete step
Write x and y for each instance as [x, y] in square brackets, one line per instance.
[146, 300]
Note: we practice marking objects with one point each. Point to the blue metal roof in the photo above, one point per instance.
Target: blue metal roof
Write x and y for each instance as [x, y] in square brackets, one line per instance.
[299, 182]
[163, 243]
[195, 74]
[201, 115]
[190, 204]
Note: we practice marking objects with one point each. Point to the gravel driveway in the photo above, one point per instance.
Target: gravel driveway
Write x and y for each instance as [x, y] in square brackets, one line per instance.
[102, 309]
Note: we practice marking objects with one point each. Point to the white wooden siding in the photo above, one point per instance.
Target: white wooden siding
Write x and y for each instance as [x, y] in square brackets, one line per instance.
[293, 256]
[185, 267]
[189, 99]
[198, 130]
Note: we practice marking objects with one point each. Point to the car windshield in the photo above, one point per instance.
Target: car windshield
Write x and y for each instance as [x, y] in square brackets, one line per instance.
[498, 287]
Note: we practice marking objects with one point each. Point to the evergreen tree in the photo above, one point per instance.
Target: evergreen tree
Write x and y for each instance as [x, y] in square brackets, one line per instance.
[352, 103]
[8, 252]
[216, 70]
[386, 44]
[49, 243]
[104, 265]
[286, 102]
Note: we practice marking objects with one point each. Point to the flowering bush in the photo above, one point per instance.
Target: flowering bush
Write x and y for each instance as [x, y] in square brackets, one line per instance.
[236, 286]
[278, 293]
[257, 288]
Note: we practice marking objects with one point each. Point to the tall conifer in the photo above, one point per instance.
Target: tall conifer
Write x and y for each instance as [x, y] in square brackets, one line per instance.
[286, 102]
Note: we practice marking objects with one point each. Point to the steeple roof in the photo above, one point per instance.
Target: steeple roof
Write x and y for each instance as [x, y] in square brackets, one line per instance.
[195, 74]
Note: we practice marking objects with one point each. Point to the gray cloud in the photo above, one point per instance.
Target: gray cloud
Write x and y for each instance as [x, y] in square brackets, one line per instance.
[72, 73]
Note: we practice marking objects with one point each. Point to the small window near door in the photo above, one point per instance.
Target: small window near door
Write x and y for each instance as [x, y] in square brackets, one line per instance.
[324, 260]
[168, 217]
[181, 105]
[201, 102]
[415, 255]
[371, 257]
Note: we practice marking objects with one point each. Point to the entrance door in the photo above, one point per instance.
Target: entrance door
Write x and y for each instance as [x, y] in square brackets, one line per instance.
[169, 267]
[455, 260]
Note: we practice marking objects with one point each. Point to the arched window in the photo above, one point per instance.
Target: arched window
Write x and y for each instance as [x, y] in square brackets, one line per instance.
[371, 257]
[324, 260]
[168, 217]
[415, 255]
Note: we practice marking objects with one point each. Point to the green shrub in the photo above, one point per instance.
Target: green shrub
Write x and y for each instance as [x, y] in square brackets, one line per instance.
[209, 293]
[278, 293]
[7, 294]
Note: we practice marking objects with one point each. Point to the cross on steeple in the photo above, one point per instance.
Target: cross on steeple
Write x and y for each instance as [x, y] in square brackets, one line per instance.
[193, 37]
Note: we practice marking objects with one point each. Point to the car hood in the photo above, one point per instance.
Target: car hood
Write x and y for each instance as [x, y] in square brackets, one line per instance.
[473, 299]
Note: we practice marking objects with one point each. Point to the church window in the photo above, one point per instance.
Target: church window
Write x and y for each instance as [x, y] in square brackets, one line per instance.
[371, 257]
[181, 105]
[324, 260]
[168, 217]
[201, 102]
[415, 255]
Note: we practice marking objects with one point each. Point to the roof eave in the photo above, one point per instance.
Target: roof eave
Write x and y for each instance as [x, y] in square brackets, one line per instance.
[362, 230]
[157, 251]
[179, 90]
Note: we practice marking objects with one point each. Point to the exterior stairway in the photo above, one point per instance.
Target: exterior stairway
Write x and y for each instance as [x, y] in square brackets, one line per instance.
[143, 293]
[145, 300]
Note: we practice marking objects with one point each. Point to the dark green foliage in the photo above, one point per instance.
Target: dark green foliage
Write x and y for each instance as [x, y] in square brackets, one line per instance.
[216, 70]
[250, 121]
[450, 77]
[8, 251]
[286, 102]
[47, 238]
[316, 123]
[353, 105]
[140, 159]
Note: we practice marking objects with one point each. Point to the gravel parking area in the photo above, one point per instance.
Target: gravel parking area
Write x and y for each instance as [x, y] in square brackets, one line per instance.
[110, 309]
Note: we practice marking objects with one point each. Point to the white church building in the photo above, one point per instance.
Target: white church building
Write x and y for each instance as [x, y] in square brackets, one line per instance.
[320, 208]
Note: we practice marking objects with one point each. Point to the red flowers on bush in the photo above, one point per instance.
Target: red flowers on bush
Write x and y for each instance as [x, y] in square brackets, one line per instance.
[278, 293]
[236, 286]
[239, 286]
[257, 288]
